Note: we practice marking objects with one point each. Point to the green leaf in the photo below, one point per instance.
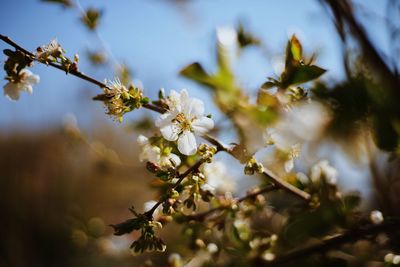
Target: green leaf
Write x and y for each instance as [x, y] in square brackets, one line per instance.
[196, 72]
[245, 38]
[268, 85]
[305, 73]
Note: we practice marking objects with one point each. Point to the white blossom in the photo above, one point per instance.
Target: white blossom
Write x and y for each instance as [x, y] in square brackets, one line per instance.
[217, 177]
[323, 168]
[292, 154]
[53, 49]
[164, 159]
[389, 257]
[268, 256]
[212, 248]
[396, 259]
[301, 123]
[302, 178]
[183, 120]
[115, 88]
[25, 81]
[376, 217]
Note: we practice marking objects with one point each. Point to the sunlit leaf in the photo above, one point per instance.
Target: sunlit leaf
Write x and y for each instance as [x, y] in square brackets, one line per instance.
[302, 74]
[196, 72]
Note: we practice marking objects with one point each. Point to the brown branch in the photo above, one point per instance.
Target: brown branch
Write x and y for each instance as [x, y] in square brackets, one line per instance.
[52, 64]
[285, 185]
[390, 225]
[201, 216]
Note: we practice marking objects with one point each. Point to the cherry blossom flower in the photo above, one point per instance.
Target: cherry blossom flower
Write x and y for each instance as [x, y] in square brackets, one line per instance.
[164, 158]
[301, 123]
[26, 79]
[183, 120]
[217, 177]
[376, 217]
[323, 168]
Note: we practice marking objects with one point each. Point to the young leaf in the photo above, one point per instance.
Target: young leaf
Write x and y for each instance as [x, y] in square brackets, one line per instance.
[196, 72]
[296, 48]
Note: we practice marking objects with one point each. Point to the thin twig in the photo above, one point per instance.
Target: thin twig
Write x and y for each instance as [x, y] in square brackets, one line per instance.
[54, 65]
[286, 186]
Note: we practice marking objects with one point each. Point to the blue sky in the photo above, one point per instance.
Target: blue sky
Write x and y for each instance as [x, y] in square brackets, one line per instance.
[155, 39]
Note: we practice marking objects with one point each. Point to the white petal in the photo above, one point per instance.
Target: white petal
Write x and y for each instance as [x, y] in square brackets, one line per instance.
[289, 165]
[28, 88]
[142, 140]
[12, 91]
[202, 125]
[170, 132]
[153, 154]
[187, 143]
[184, 95]
[32, 79]
[175, 159]
[193, 108]
[166, 118]
[174, 101]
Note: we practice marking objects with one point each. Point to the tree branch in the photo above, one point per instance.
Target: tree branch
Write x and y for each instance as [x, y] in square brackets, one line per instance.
[390, 225]
[52, 64]
[220, 146]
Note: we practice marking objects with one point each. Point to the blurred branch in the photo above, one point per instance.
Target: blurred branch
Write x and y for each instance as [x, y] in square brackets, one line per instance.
[201, 216]
[391, 225]
[343, 15]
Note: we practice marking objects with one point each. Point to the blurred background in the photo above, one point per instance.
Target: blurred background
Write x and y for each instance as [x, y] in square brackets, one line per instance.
[68, 170]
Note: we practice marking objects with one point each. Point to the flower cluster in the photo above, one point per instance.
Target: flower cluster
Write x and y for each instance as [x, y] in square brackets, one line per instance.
[119, 99]
[23, 82]
[160, 155]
